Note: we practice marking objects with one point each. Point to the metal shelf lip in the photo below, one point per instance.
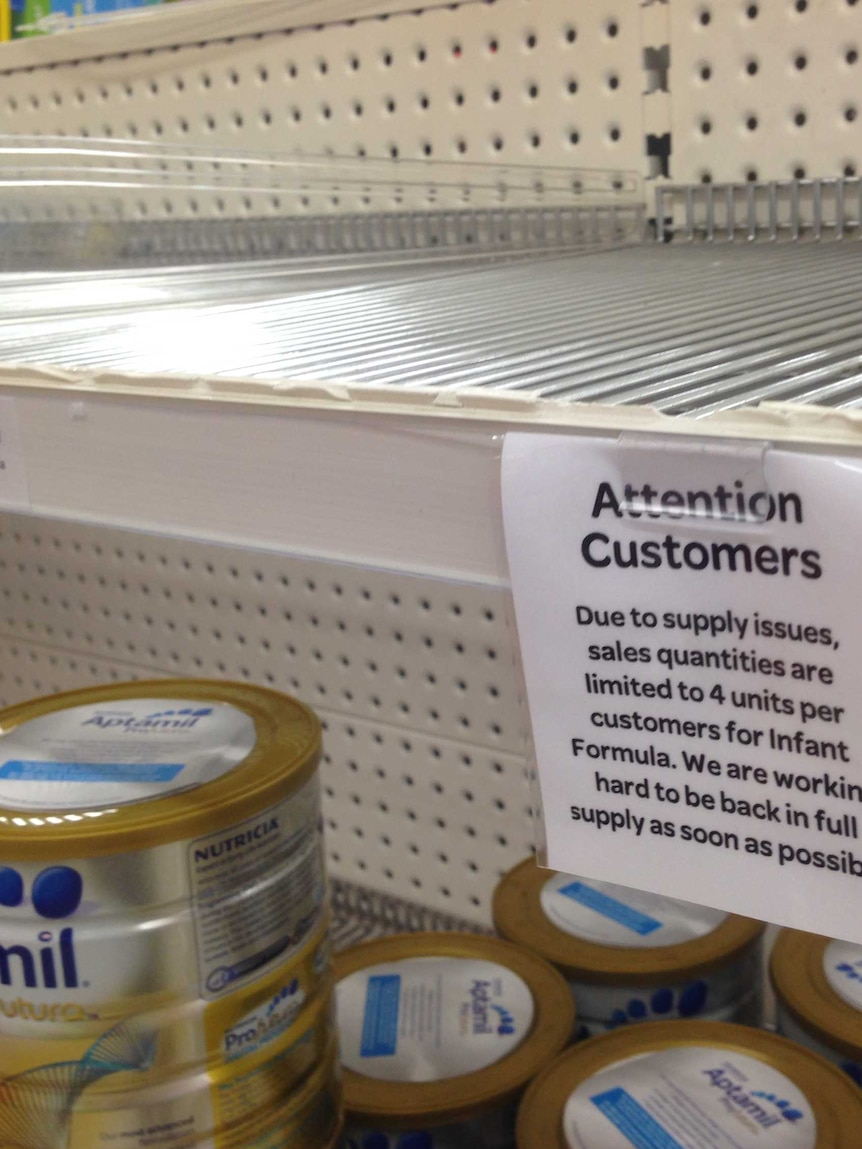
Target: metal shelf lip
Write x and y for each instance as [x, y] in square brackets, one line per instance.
[829, 208]
[81, 203]
[360, 914]
[108, 244]
[471, 410]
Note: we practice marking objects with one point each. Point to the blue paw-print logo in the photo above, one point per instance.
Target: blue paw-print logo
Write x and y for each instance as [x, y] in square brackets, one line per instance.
[419, 1139]
[286, 991]
[186, 712]
[851, 971]
[56, 893]
[785, 1108]
[663, 1003]
[506, 1024]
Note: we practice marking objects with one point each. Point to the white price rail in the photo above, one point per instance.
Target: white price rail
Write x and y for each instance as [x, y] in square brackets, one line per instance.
[14, 493]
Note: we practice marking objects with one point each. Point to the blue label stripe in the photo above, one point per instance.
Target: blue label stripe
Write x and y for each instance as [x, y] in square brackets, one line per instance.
[380, 1021]
[609, 907]
[633, 1121]
[19, 771]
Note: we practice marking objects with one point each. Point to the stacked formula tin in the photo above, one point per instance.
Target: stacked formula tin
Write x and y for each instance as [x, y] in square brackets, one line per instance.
[690, 1085]
[631, 956]
[165, 976]
[459, 1042]
[818, 991]
[440, 1035]
[691, 1076]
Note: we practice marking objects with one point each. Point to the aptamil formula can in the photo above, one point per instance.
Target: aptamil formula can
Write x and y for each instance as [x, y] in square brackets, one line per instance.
[165, 976]
[690, 1085]
[439, 1035]
[818, 992]
[631, 956]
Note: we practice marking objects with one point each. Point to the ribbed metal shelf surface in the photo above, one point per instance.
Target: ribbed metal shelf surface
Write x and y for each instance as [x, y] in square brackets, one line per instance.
[687, 330]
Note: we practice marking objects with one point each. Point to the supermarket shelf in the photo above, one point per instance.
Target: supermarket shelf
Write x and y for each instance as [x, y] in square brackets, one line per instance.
[688, 331]
[343, 512]
[211, 420]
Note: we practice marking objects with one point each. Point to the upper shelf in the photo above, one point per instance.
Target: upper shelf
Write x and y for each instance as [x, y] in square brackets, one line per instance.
[354, 411]
[189, 22]
[687, 330]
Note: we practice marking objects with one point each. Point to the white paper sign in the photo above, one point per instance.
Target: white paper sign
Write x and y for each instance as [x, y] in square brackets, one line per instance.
[690, 621]
[13, 475]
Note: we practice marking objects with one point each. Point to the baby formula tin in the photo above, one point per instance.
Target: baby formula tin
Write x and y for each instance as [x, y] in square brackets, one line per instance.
[631, 956]
[690, 1085]
[439, 1035]
[309, 1119]
[818, 991]
[164, 964]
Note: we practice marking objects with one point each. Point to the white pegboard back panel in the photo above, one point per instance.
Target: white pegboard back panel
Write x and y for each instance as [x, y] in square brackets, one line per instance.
[765, 90]
[517, 81]
[738, 91]
[415, 680]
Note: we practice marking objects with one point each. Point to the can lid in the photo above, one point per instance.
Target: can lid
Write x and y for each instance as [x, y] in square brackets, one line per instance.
[118, 768]
[829, 1116]
[715, 938]
[494, 995]
[816, 980]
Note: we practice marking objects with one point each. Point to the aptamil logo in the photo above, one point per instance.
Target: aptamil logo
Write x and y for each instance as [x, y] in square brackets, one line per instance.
[185, 718]
[488, 1016]
[51, 963]
[765, 1109]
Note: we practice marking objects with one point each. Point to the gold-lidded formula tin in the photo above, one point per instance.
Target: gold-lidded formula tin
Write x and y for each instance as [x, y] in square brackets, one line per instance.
[631, 956]
[440, 1033]
[309, 1119]
[818, 991]
[163, 930]
[239, 748]
[689, 1085]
